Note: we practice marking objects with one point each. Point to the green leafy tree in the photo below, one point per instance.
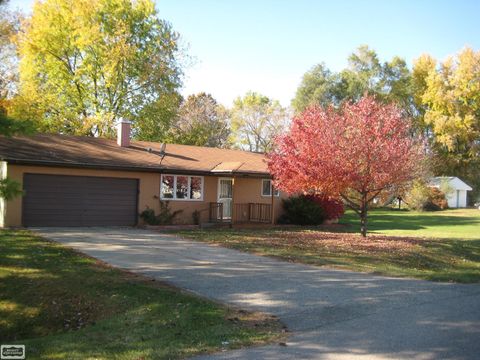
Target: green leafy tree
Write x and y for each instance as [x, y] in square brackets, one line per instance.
[201, 121]
[256, 120]
[156, 120]
[10, 127]
[86, 63]
[365, 74]
[320, 86]
[449, 94]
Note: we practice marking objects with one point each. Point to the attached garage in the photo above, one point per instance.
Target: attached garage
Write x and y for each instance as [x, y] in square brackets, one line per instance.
[62, 200]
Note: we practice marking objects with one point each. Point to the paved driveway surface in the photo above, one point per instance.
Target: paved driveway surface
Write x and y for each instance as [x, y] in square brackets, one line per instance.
[331, 314]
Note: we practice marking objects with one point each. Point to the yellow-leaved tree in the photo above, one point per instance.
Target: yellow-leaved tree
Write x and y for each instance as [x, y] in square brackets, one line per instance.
[86, 63]
[449, 95]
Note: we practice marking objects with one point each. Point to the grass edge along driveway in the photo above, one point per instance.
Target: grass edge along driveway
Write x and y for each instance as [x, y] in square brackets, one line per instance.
[439, 246]
[63, 304]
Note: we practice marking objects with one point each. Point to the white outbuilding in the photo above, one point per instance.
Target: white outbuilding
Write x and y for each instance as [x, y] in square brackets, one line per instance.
[457, 190]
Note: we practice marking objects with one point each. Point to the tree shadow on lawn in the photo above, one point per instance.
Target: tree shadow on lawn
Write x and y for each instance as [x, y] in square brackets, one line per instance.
[46, 289]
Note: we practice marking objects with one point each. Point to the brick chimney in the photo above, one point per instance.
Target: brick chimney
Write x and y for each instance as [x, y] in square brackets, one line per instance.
[123, 133]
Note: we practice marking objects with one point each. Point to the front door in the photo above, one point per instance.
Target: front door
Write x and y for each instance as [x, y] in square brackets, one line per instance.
[225, 187]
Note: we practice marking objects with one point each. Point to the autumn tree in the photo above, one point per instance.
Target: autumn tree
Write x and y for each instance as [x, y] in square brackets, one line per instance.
[86, 63]
[355, 153]
[422, 67]
[449, 93]
[255, 121]
[201, 121]
[8, 73]
[389, 81]
[9, 27]
[9, 24]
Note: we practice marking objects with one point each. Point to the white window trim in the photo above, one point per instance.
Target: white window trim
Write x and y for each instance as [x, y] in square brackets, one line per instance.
[202, 186]
[276, 190]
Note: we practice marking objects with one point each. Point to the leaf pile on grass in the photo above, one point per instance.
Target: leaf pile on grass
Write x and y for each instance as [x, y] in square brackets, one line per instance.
[431, 259]
[311, 240]
[62, 304]
[344, 242]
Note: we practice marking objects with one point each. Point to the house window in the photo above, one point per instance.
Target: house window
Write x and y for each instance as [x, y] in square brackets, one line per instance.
[267, 188]
[181, 187]
[196, 185]
[168, 182]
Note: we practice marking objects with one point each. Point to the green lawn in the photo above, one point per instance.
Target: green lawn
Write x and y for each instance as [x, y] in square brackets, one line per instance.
[61, 305]
[439, 246]
[459, 224]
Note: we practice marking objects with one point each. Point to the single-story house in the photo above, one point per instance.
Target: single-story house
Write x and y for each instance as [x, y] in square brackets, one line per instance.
[87, 181]
[457, 196]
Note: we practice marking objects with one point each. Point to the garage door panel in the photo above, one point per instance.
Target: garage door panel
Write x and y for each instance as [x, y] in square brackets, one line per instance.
[108, 197]
[109, 191]
[61, 200]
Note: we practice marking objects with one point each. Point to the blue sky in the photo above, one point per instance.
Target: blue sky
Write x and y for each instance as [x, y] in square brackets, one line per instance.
[267, 45]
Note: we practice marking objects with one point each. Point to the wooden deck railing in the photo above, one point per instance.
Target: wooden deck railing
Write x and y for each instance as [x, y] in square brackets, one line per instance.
[242, 213]
[215, 212]
[260, 212]
[253, 212]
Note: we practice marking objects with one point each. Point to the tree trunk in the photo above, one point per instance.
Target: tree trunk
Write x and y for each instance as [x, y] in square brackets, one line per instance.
[363, 215]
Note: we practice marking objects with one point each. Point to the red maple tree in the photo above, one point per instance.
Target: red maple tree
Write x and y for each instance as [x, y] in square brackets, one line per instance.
[354, 152]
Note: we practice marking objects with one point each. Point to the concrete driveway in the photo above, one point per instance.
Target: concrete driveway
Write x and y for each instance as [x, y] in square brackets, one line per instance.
[331, 314]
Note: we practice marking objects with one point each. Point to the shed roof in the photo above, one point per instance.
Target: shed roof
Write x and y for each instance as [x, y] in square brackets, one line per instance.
[453, 181]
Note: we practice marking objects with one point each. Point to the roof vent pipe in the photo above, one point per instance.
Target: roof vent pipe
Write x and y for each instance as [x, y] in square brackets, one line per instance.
[123, 133]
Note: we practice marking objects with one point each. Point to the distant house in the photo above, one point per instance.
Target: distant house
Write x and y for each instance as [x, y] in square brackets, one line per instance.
[86, 181]
[457, 197]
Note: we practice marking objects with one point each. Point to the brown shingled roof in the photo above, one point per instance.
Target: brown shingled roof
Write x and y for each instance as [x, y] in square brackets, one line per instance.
[75, 151]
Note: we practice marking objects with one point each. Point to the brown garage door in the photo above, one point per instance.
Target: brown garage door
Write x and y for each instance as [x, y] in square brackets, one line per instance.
[58, 200]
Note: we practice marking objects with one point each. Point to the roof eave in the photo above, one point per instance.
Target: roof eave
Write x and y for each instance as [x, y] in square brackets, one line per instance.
[82, 165]
[134, 168]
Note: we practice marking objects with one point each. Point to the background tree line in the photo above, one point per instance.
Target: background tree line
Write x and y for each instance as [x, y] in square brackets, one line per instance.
[78, 66]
